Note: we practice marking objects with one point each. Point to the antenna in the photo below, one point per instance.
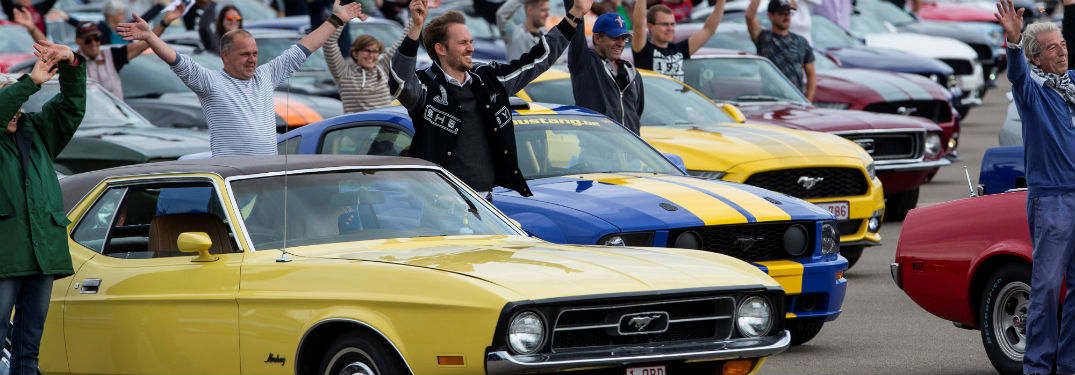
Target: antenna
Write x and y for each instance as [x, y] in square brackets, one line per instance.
[969, 185]
[287, 115]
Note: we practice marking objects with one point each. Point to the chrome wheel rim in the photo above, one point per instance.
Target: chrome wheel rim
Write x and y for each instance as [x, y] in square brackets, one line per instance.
[357, 368]
[1009, 319]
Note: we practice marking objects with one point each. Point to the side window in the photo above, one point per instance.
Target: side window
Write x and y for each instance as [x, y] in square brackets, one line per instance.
[148, 220]
[93, 229]
[289, 146]
[365, 140]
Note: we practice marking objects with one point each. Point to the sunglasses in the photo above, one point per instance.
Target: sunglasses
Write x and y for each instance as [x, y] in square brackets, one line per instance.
[233, 18]
[91, 39]
[371, 50]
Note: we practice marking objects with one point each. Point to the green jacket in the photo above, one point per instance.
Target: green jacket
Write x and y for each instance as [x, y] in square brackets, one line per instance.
[31, 205]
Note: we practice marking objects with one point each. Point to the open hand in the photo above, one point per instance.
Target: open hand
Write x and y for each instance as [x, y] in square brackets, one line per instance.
[419, 11]
[137, 30]
[42, 71]
[173, 14]
[349, 11]
[1010, 19]
[23, 17]
[582, 7]
[52, 53]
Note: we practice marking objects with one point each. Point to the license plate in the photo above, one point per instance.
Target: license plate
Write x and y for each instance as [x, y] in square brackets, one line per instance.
[649, 370]
[841, 210]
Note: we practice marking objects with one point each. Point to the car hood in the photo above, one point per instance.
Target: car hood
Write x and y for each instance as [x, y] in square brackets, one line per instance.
[924, 45]
[852, 85]
[827, 120]
[638, 202]
[726, 146]
[978, 33]
[536, 269]
[136, 144]
[888, 59]
[9, 59]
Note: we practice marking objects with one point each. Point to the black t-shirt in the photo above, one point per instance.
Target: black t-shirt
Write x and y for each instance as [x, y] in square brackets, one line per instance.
[471, 159]
[667, 60]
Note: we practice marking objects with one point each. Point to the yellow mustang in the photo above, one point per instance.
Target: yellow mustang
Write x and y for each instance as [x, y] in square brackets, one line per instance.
[374, 265]
[713, 141]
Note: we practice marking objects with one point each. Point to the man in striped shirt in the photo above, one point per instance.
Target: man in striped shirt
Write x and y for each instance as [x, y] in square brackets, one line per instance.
[238, 100]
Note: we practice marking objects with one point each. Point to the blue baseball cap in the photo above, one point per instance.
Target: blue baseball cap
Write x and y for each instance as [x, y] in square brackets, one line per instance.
[610, 24]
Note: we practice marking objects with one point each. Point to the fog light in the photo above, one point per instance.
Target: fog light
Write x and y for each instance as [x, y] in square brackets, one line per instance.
[738, 366]
[688, 240]
[953, 142]
[874, 224]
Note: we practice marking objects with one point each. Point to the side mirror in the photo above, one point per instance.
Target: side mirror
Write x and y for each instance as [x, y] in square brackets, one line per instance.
[196, 242]
[736, 114]
[677, 160]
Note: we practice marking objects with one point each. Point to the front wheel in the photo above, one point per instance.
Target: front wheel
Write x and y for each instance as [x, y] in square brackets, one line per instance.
[1003, 312]
[852, 253]
[355, 354]
[803, 330]
[898, 204]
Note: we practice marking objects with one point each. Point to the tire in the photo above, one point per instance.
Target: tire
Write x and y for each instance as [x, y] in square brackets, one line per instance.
[898, 204]
[356, 354]
[852, 253]
[803, 330]
[1002, 312]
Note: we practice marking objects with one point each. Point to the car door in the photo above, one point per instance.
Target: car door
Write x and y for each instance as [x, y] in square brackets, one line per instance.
[141, 306]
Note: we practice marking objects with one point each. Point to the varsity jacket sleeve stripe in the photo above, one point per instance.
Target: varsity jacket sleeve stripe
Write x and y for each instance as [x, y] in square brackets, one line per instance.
[403, 81]
[518, 73]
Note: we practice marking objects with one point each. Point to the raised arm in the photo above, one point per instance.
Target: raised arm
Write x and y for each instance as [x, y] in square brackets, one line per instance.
[638, 26]
[751, 16]
[337, 65]
[519, 72]
[139, 30]
[24, 19]
[403, 83]
[210, 41]
[315, 39]
[702, 36]
[503, 18]
[63, 113]
[135, 49]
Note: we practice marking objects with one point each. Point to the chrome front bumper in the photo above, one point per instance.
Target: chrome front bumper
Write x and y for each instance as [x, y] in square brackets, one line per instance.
[503, 363]
[918, 165]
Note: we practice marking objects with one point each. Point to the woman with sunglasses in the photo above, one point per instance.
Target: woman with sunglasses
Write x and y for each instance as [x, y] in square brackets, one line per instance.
[227, 19]
[362, 79]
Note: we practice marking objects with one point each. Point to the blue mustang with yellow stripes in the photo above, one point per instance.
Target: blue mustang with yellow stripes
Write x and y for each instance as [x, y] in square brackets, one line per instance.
[595, 182]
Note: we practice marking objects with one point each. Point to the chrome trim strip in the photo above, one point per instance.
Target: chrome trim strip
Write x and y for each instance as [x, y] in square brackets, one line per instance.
[503, 363]
[672, 321]
[915, 166]
[877, 131]
[715, 299]
[318, 324]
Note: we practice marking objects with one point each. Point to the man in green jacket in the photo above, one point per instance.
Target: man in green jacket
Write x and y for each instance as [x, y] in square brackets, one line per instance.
[32, 218]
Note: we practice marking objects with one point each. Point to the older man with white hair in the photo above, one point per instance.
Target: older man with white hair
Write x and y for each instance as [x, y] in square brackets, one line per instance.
[1045, 96]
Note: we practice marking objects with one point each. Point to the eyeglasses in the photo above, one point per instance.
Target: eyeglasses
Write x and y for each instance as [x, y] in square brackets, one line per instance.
[371, 50]
[91, 39]
[233, 18]
[665, 24]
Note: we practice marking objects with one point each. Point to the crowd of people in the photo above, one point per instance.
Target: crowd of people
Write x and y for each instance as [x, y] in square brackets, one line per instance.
[459, 108]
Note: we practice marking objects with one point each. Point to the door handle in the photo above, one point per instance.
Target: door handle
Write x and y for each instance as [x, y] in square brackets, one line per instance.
[89, 286]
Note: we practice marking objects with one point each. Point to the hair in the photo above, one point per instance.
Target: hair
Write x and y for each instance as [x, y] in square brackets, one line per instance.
[436, 31]
[1030, 44]
[651, 14]
[220, 19]
[365, 40]
[534, 3]
[110, 7]
[228, 39]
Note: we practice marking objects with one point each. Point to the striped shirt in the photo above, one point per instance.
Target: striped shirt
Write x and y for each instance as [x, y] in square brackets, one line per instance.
[360, 88]
[240, 113]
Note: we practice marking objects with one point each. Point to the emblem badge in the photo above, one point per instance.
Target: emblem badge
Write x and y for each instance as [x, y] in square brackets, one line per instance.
[808, 182]
[643, 323]
[442, 99]
[745, 243]
[866, 144]
[906, 111]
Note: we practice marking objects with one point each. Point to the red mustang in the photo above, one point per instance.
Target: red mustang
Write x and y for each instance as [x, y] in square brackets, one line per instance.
[977, 276]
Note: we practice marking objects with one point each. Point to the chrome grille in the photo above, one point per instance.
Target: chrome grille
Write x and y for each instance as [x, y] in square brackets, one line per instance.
[889, 146]
[837, 182]
[767, 239]
[688, 319]
[938, 111]
[960, 66]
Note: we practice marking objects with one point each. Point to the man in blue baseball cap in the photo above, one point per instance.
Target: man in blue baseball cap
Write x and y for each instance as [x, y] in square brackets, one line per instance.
[600, 79]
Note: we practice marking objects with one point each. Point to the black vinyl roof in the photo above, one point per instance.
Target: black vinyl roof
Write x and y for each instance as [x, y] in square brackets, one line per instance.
[76, 186]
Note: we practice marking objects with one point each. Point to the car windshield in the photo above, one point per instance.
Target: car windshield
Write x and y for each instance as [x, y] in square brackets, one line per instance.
[865, 23]
[252, 11]
[885, 11]
[149, 76]
[102, 109]
[822, 62]
[15, 39]
[733, 40]
[387, 33]
[740, 79]
[270, 48]
[345, 206]
[558, 145]
[827, 34]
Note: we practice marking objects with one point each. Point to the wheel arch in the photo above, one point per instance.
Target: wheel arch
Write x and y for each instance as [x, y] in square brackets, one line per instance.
[981, 275]
[320, 335]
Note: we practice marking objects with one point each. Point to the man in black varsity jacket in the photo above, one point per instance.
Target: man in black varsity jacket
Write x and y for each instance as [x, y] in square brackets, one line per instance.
[460, 110]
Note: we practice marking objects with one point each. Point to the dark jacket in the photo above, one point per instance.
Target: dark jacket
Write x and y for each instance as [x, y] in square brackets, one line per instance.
[595, 88]
[436, 116]
[32, 217]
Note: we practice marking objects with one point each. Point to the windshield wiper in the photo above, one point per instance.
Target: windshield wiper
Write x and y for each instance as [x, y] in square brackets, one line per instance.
[151, 95]
[757, 98]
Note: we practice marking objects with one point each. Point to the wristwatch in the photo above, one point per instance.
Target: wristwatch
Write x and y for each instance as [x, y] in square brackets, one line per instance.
[576, 20]
[335, 20]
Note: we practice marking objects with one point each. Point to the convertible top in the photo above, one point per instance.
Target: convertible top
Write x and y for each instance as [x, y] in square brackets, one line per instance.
[76, 186]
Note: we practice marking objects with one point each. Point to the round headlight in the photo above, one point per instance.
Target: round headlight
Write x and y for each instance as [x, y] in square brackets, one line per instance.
[688, 240]
[754, 318]
[830, 239]
[526, 332]
[796, 240]
[933, 144]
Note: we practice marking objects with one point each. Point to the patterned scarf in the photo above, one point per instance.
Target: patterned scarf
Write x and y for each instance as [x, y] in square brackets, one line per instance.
[1061, 83]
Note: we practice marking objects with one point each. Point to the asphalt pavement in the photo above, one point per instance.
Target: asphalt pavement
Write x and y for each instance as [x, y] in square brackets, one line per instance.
[881, 331]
